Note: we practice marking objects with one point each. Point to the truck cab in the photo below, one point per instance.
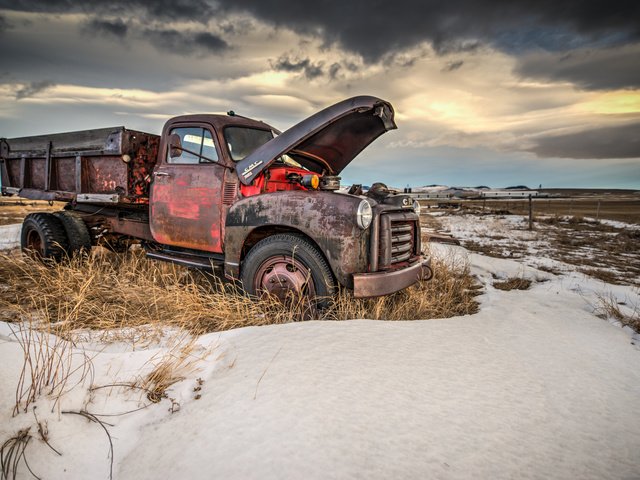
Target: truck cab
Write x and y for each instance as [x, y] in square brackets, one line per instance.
[229, 192]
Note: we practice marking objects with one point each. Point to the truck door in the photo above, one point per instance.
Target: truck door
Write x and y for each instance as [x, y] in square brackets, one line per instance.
[186, 192]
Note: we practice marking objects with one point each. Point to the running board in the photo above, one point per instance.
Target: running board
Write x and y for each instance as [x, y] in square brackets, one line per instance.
[186, 260]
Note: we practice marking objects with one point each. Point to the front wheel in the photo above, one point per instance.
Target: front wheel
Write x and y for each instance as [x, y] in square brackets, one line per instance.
[288, 266]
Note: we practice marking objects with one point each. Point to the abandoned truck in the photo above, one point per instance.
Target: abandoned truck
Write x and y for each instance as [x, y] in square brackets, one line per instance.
[230, 193]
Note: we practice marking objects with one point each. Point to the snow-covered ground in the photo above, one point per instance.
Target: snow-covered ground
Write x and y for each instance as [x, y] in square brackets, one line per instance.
[532, 386]
[605, 249]
[9, 236]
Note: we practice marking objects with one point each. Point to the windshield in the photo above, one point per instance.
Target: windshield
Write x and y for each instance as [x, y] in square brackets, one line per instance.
[241, 141]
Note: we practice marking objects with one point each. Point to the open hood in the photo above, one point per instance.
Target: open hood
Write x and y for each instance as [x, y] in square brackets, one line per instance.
[326, 141]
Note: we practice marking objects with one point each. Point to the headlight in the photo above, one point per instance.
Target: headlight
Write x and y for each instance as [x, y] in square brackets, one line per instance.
[416, 207]
[365, 214]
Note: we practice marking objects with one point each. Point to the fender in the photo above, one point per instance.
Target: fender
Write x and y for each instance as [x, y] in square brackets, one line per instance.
[327, 218]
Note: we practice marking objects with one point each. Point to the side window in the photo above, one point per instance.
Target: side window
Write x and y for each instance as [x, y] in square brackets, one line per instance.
[197, 144]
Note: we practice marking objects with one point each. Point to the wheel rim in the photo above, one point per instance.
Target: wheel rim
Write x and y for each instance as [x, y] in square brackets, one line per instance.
[34, 243]
[284, 277]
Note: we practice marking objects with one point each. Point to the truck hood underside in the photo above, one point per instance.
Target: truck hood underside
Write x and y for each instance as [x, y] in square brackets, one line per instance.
[328, 140]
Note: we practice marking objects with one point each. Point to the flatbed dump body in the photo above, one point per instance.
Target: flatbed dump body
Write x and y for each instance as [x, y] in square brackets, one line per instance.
[106, 165]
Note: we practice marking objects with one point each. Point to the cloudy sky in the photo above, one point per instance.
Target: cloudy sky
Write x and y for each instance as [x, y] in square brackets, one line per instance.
[486, 92]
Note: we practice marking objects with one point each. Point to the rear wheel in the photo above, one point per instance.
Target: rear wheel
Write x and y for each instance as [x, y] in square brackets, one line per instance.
[43, 236]
[76, 230]
[289, 267]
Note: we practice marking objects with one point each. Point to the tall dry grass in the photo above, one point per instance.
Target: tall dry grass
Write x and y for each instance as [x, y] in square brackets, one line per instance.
[51, 366]
[608, 307]
[111, 292]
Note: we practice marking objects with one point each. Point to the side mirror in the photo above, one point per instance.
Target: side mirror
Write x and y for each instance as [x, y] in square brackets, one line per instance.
[175, 145]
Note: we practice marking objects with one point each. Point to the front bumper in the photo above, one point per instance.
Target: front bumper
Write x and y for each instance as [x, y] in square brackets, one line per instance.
[384, 283]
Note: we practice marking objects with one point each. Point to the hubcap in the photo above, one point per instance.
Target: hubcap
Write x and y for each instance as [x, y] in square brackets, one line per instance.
[283, 277]
[34, 242]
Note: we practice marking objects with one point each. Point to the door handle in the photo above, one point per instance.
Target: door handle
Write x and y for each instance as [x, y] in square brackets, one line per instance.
[162, 174]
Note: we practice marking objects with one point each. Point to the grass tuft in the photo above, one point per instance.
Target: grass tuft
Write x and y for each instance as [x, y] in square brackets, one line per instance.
[171, 368]
[12, 451]
[49, 364]
[608, 306]
[513, 283]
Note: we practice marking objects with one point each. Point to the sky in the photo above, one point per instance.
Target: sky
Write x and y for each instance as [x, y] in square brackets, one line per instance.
[496, 93]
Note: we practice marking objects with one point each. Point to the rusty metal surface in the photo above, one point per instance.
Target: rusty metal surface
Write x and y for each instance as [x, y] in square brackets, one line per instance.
[186, 199]
[383, 283]
[394, 246]
[88, 161]
[327, 218]
[185, 208]
[129, 227]
[336, 134]
[188, 203]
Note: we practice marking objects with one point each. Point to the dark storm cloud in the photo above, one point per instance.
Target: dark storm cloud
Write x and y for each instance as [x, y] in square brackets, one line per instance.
[604, 69]
[376, 29]
[196, 10]
[33, 88]
[306, 66]
[209, 41]
[185, 42]
[116, 28]
[4, 25]
[606, 142]
[334, 69]
[451, 66]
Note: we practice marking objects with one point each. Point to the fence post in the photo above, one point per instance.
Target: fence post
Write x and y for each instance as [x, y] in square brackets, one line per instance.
[530, 213]
[598, 212]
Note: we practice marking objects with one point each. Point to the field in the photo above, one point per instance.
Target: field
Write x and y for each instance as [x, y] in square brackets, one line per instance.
[623, 206]
[487, 371]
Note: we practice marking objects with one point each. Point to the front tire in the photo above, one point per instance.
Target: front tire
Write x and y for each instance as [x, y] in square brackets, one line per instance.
[43, 236]
[286, 265]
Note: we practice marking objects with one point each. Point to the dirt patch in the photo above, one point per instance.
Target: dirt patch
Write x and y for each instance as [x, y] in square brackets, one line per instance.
[513, 283]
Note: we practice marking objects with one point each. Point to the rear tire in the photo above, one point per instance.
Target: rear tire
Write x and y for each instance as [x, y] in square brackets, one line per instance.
[76, 230]
[287, 263]
[43, 236]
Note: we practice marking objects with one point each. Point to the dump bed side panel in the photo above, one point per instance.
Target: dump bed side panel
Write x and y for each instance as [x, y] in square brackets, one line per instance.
[108, 164]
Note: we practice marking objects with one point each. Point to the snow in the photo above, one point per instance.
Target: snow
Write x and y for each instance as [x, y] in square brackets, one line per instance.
[10, 236]
[532, 386]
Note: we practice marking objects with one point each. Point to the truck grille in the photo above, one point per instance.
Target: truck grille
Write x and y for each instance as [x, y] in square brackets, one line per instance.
[397, 241]
[401, 241]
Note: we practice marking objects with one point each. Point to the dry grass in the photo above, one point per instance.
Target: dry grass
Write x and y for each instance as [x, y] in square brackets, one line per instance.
[606, 275]
[452, 292]
[608, 307]
[599, 249]
[513, 283]
[172, 367]
[12, 451]
[512, 249]
[50, 365]
[119, 293]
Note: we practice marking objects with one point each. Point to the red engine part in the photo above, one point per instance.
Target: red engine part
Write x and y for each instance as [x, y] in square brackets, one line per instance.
[274, 180]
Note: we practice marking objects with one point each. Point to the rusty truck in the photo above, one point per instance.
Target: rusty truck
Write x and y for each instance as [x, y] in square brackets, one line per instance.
[229, 193]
